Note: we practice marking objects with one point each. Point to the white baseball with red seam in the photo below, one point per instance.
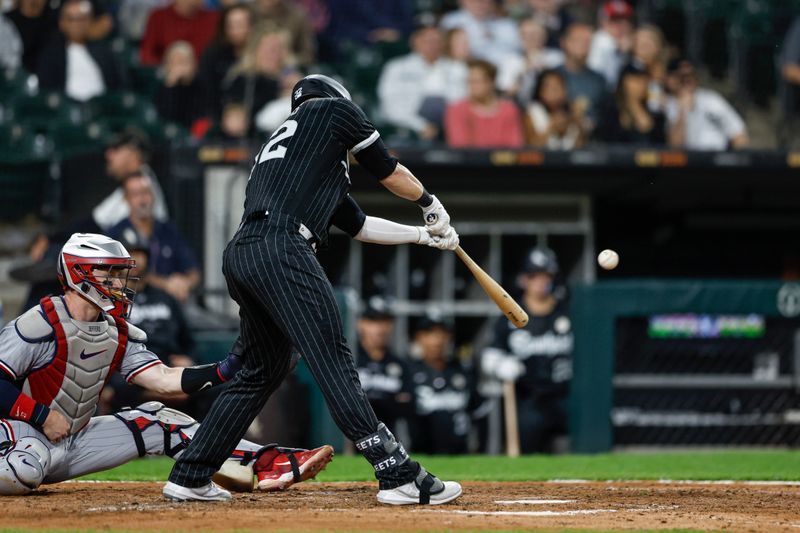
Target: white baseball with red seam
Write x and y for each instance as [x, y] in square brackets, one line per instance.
[608, 259]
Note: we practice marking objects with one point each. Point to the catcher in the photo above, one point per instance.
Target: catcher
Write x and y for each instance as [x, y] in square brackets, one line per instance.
[55, 360]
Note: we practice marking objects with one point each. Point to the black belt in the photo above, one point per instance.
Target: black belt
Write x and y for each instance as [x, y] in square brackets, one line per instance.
[302, 229]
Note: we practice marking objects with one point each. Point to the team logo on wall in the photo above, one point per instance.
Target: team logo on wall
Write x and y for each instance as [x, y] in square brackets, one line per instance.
[789, 300]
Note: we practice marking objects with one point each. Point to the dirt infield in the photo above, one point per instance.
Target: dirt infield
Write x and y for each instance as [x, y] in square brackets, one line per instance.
[352, 507]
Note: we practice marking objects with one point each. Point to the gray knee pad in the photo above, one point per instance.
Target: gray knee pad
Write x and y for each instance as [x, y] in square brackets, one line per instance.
[23, 465]
[170, 420]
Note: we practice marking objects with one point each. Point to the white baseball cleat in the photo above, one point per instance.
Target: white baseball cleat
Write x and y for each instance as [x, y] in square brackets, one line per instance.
[426, 490]
[207, 493]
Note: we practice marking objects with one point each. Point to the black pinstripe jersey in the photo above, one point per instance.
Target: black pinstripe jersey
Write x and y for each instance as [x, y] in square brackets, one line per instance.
[303, 171]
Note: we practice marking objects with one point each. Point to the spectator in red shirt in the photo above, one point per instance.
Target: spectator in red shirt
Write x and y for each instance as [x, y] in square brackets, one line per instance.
[483, 120]
[182, 20]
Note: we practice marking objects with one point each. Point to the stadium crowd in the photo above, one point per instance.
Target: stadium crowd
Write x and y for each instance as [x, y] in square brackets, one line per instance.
[554, 74]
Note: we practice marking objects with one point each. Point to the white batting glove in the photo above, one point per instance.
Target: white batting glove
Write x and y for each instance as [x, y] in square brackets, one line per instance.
[449, 241]
[436, 218]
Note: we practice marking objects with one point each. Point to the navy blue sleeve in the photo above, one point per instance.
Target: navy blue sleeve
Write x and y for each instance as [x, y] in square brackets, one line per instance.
[184, 256]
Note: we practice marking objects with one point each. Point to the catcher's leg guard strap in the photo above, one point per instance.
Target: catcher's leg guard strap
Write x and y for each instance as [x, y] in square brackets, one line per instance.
[289, 452]
[137, 434]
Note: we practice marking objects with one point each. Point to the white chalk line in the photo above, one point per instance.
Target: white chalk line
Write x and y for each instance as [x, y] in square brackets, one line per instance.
[533, 502]
[521, 513]
[675, 481]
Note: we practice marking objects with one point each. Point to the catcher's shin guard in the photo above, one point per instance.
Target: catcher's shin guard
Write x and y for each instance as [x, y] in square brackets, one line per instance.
[178, 428]
[23, 465]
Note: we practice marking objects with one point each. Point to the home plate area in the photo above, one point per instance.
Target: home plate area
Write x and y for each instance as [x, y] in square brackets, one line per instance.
[750, 506]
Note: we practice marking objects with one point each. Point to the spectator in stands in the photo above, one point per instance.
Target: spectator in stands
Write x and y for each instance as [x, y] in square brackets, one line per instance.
[457, 45]
[414, 89]
[72, 64]
[11, 51]
[491, 37]
[233, 31]
[168, 336]
[180, 95]
[585, 87]
[483, 120]
[127, 153]
[611, 45]
[552, 15]
[132, 17]
[234, 123]
[628, 118]
[172, 264]
[365, 22]
[385, 378]
[553, 123]
[700, 119]
[256, 78]
[285, 15]
[649, 54]
[443, 392]
[275, 112]
[182, 20]
[790, 68]
[36, 24]
[537, 357]
[518, 76]
[102, 23]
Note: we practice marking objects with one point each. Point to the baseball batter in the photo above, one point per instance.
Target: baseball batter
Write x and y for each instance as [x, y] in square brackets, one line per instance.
[55, 360]
[298, 188]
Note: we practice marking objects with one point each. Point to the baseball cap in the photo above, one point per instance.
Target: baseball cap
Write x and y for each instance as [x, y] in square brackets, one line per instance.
[425, 20]
[617, 9]
[434, 318]
[540, 259]
[377, 308]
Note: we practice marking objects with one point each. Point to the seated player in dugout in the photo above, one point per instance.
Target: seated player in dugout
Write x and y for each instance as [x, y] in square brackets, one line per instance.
[384, 377]
[444, 394]
[538, 357]
[56, 359]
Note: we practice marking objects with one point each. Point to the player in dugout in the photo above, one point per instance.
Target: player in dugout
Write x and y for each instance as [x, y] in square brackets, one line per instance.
[537, 357]
[55, 360]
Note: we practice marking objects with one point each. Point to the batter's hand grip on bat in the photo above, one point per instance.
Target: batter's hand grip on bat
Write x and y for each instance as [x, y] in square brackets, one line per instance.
[506, 303]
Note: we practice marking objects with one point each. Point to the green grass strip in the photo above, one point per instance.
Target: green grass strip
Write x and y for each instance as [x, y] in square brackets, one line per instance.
[759, 465]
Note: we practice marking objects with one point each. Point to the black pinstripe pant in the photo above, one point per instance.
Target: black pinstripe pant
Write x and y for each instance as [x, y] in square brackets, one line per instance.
[285, 300]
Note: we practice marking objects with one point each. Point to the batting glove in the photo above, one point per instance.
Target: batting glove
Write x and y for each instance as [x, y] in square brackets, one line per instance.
[436, 218]
[449, 241]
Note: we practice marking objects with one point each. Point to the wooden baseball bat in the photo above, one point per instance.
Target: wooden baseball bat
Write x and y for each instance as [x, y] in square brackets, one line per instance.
[512, 424]
[506, 303]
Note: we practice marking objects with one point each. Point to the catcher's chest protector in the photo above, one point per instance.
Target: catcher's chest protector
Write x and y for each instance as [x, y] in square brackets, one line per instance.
[86, 355]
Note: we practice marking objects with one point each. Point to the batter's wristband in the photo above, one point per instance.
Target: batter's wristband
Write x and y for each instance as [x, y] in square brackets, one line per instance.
[425, 200]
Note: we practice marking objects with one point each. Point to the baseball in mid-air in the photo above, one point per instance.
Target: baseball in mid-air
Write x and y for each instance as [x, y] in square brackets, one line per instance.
[608, 259]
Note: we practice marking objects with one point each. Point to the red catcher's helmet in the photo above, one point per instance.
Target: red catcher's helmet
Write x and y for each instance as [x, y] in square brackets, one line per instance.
[82, 255]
